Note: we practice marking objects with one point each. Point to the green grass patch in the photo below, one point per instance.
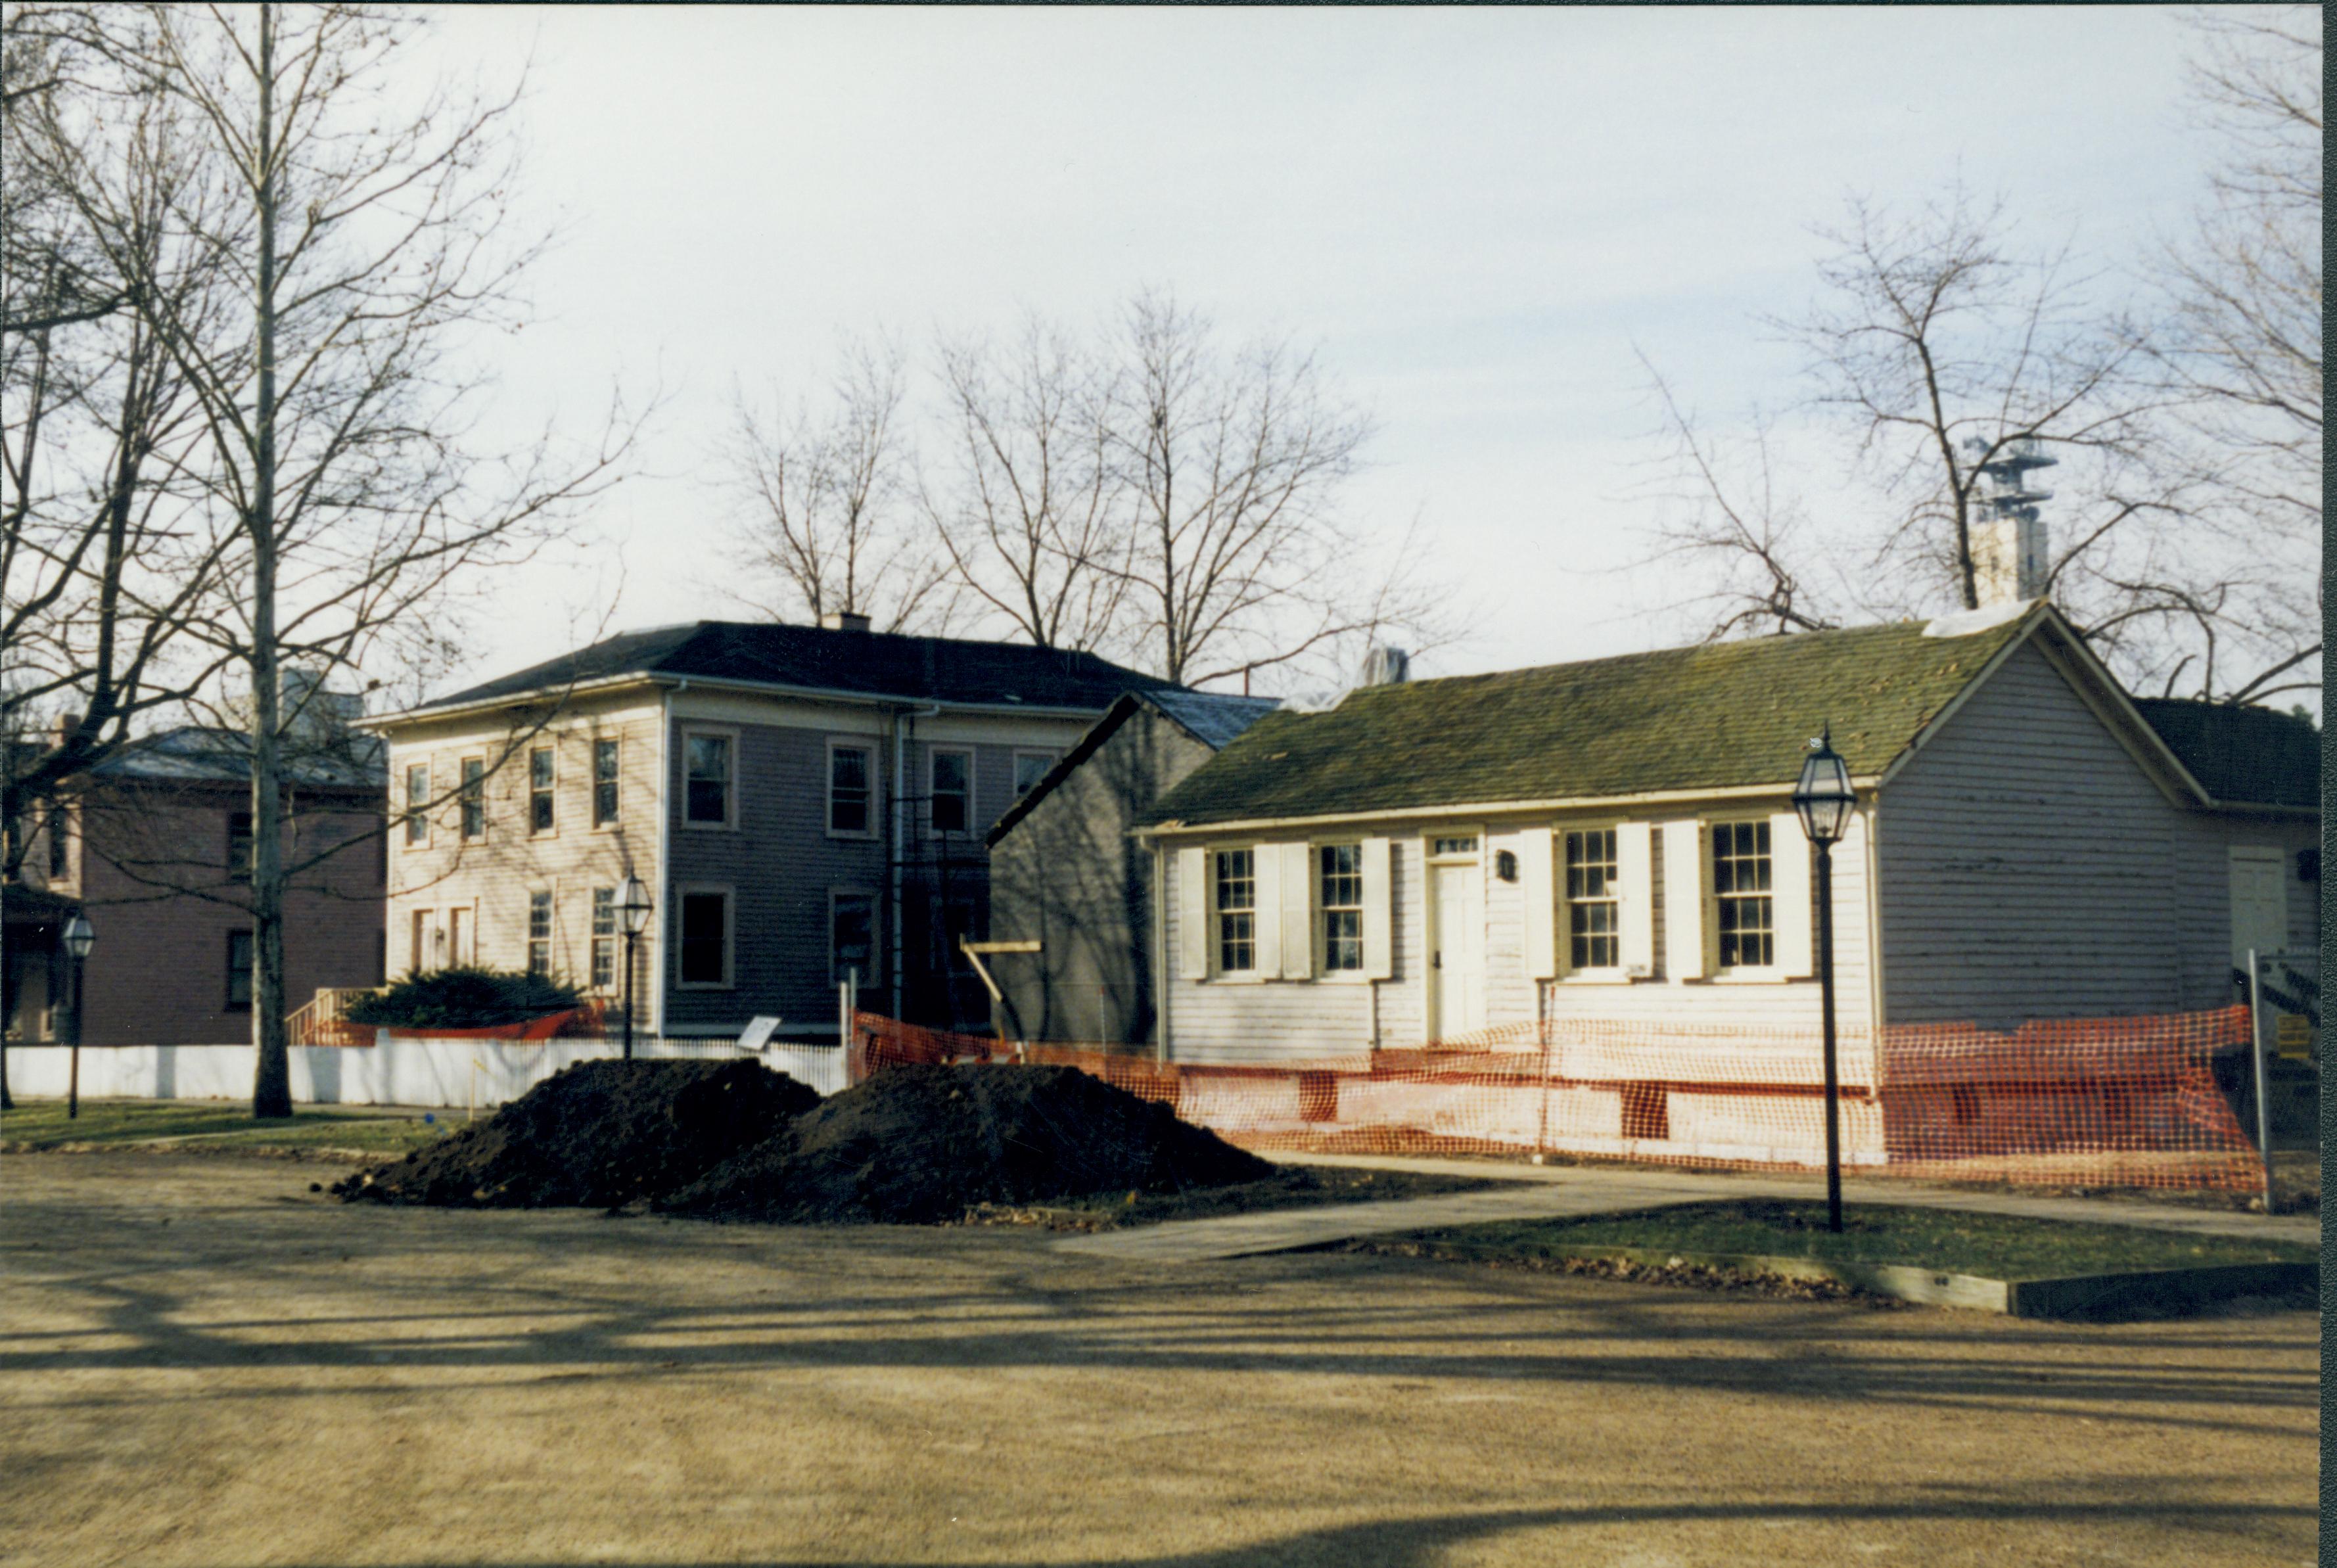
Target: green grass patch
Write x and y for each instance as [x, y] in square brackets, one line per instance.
[44, 1124]
[1950, 1241]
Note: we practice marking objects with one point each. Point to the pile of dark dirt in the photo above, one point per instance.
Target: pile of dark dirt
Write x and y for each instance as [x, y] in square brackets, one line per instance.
[599, 1133]
[922, 1145]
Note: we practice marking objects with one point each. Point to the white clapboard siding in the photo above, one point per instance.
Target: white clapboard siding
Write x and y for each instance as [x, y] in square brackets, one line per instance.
[1791, 896]
[1509, 990]
[1635, 901]
[1297, 911]
[1190, 877]
[2029, 867]
[1684, 934]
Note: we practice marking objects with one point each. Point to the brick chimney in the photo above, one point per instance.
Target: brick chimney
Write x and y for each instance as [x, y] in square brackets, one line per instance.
[844, 621]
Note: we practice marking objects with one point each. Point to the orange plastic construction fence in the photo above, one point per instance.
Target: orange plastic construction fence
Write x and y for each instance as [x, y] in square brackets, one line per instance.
[2090, 1102]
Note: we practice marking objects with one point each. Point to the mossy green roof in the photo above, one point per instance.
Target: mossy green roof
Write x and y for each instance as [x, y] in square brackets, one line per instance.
[1714, 717]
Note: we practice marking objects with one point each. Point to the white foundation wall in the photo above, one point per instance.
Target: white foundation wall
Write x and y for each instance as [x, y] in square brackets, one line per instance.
[403, 1070]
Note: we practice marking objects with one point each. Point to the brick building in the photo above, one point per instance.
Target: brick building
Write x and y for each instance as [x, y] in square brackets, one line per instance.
[153, 846]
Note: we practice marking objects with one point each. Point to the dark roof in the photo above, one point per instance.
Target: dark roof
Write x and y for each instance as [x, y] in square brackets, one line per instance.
[1210, 717]
[2243, 755]
[877, 663]
[197, 754]
[1719, 716]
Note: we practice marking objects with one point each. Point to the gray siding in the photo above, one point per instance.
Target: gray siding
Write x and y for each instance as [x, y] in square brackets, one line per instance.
[2031, 869]
[780, 862]
[1070, 876]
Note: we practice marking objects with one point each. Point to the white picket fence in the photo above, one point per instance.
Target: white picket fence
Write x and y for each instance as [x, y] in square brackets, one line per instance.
[401, 1069]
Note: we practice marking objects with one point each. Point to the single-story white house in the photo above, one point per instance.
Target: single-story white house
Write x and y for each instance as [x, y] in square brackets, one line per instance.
[1607, 850]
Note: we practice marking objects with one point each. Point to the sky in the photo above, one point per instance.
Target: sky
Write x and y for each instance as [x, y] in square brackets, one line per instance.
[1479, 220]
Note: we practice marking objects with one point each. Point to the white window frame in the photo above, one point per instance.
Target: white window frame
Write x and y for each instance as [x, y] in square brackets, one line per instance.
[552, 790]
[615, 820]
[603, 943]
[682, 893]
[542, 899]
[1716, 970]
[1588, 975]
[1024, 755]
[1320, 911]
[417, 815]
[933, 789]
[867, 747]
[1216, 929]
[870, 975]
[730, 822]
[463, 799]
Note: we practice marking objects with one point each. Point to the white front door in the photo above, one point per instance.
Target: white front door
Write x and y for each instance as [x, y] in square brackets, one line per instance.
[2259, 901]
[1457, 954]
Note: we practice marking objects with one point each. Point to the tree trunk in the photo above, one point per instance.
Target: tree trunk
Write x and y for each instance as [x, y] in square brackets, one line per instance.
[271, 1090]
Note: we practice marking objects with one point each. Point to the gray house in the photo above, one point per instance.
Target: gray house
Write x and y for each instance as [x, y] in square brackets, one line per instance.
[1608, 848]
[808, 804]
[1066, 872]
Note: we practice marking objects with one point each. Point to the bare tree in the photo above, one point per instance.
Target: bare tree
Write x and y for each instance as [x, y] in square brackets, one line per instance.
[821, 504]
[107, 556]
[366, 241]
[2242, 345]
[1029, 511]
[1241, 558]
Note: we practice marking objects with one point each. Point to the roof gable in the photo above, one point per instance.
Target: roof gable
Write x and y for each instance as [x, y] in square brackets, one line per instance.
[1709, 717]
[1210, 717]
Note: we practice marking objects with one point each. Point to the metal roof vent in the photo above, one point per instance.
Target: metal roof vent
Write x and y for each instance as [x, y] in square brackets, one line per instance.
[844, 621]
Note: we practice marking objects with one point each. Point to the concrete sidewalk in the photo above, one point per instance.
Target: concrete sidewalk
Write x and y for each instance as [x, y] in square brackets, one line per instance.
[1559, 1191]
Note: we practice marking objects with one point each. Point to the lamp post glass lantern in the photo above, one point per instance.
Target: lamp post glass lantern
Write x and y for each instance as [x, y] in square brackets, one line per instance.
[1824, 800]
[80, 936]
[634, 916]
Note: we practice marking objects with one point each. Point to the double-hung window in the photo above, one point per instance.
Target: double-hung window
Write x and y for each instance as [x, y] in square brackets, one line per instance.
[1743, 910]
[417, 802]
[58, 860]
[1341, 894]
[238, 971]
[604, 783]
[239, 846]
[1237, 907]
[540, 780]
[605, 938]
[475, 798]
[1593, 930]
[539, 933]
[848, 770]
[952, 801]
[707, 787]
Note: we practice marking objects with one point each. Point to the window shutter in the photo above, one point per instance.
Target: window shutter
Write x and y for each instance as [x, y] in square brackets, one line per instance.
[1789, 891]
[1265, 863]
[1297, 912]
[1193, 914]
[1684, 946]
[1635, 899]
[1379, 925]
[1538, 886]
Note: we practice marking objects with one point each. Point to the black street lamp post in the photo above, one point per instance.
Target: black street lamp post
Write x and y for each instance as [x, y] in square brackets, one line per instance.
[1824, 800]
[633, 914]
[80, 937]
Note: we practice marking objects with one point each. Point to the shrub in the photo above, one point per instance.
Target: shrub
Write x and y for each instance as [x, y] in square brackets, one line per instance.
[464, 998]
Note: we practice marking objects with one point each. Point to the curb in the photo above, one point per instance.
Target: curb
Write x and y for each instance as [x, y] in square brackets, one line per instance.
[2074, 1295]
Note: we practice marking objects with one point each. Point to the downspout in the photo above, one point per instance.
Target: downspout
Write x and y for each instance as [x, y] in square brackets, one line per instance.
[661, 877]
[903, 719]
